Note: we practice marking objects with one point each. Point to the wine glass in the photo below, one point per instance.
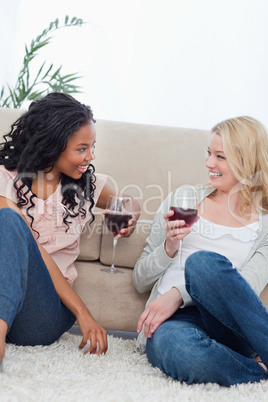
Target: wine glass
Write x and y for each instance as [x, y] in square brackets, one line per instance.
[117, 214]
[184, 205]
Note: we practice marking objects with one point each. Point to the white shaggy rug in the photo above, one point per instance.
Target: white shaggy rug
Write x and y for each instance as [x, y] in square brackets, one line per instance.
[60, 372]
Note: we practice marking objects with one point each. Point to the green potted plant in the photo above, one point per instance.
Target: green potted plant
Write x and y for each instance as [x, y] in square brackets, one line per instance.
[47, 79]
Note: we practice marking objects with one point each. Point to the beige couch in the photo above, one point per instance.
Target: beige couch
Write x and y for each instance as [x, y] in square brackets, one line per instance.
[146, 162]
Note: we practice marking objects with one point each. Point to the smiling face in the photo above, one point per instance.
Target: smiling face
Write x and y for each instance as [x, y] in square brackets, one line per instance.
[220, 174]
[74, 160]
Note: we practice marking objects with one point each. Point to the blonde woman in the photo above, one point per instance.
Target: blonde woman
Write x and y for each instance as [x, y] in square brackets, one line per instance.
[209, 324]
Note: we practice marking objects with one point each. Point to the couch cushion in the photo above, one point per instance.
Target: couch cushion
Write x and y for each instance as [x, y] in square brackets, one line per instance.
[112, 299]
[129, 249]
[90, 239]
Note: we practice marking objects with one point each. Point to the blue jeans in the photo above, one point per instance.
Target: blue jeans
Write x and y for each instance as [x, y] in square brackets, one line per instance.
[216, 339]
[28, 300]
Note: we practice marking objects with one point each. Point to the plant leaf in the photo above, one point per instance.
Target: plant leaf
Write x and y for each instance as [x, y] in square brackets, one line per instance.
[56, 73]
[48, 71]
[23, 89]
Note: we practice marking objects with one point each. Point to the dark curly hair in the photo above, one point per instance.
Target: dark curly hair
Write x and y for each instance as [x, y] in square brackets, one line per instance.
[35, 143]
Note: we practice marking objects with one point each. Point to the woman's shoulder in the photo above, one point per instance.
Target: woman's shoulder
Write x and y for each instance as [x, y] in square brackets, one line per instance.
[6, 183]
[100, 182]
[7, 173]
[101, 179]
[265, 220]
[7, 176]
[263, 228]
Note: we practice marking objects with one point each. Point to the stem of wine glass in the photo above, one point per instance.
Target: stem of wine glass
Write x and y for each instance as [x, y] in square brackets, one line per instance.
[115, 239]
[180, 250]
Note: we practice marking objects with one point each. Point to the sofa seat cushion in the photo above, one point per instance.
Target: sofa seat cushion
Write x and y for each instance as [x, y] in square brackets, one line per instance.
[90, 240]
[112, 299]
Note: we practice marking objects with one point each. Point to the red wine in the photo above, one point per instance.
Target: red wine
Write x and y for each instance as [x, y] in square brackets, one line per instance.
[115, 221]
[188, 215]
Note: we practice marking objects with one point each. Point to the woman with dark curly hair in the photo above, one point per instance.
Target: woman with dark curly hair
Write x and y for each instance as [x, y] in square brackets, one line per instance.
[48, 190]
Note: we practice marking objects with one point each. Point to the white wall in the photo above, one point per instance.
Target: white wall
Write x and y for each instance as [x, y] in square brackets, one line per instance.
[184, 63]
[8, 43]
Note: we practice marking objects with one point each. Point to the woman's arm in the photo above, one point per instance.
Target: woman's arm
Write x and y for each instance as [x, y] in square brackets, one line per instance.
[152, 264]
[154, 260]
[156, 256]
[89, 327]
[160, 248]
[255, 268]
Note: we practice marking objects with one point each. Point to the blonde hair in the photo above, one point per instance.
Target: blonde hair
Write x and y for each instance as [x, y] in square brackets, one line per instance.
[245, 144]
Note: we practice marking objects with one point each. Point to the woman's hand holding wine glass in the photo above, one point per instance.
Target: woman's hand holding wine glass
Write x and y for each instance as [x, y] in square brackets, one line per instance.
[127, 231]
[120, 222]
[175, 233]
[181, 216]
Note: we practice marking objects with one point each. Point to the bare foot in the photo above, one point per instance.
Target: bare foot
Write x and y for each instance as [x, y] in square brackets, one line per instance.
[3, 332]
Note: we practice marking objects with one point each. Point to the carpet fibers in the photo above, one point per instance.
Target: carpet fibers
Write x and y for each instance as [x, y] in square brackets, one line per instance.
[60, 372]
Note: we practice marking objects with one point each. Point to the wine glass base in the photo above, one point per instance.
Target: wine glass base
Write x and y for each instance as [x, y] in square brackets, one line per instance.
[112, 271]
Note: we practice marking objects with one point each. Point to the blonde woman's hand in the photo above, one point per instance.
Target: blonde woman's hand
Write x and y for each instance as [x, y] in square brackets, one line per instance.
[159, 311]
[175, 232]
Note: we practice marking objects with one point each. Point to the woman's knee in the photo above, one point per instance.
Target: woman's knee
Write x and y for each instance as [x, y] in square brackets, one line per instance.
[9, 217]
[205, 264]
[15, 233]
[13, 222]
[204, 273]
